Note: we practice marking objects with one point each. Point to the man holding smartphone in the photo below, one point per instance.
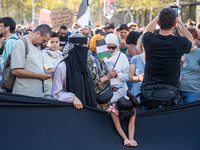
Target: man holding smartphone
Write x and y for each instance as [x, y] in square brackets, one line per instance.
[163, 56]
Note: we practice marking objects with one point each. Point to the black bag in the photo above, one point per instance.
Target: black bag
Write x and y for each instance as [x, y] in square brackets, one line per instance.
[105, 95]
[154, 96]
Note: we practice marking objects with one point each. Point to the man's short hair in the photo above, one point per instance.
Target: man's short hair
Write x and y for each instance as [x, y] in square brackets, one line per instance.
[8, 21]
[167, 18]
[63, 27]
[44, 29]
[97, 31]
[88, 27]
[29, 30]
[54, 34]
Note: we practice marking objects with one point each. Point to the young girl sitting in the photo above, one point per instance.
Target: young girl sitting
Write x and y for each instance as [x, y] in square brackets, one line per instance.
[125, 108]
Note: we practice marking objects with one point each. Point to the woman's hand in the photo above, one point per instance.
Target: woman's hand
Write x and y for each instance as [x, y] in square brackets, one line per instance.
[133, 143]
[121, 45]
[112, 74]
[77, 103]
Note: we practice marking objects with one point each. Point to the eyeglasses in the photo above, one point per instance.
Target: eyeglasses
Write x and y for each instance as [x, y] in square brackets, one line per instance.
[113, 48]
[44, 41]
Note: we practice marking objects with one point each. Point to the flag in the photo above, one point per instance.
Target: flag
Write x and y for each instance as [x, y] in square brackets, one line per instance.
[102, 49]
[109, 9]
[84, 14]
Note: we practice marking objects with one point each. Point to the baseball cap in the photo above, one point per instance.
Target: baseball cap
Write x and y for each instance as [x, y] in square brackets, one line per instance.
[110, 26]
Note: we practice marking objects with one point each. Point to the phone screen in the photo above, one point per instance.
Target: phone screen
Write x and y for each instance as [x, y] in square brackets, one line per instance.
[175, 8]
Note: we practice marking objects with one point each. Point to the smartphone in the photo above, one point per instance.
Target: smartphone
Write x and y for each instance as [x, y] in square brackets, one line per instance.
[118, 86]
[175, 8]
[52, 74]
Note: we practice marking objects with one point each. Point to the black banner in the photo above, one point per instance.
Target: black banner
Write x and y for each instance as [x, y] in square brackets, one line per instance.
[28, 123]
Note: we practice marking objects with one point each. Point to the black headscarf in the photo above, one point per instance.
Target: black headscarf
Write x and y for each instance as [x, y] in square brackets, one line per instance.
[78, 78]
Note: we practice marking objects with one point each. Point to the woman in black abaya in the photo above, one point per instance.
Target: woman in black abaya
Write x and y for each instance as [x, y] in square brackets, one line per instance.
[72, 79]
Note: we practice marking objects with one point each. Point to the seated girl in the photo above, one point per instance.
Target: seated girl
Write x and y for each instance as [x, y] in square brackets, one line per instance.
[125, 108]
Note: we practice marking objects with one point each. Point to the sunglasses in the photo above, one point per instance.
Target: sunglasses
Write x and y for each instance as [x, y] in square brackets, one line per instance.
[113, 48]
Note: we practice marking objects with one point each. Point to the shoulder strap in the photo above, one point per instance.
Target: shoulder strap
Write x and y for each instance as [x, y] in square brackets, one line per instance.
[13, 38]
[10, 39]
[26, 45]
[116, 60]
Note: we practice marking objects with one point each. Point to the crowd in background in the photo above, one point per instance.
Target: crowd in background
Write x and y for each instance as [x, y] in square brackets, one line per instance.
[64, 65]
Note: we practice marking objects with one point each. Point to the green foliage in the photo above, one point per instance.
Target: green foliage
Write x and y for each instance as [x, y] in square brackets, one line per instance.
[20, 9]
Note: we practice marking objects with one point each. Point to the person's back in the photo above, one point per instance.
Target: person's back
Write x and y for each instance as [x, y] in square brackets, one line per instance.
[164, 51]
[163, 56]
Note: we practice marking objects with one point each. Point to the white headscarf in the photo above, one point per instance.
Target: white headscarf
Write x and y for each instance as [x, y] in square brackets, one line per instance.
[112, 38]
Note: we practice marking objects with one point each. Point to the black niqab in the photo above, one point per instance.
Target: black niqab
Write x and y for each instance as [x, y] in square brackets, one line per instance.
[78, 78]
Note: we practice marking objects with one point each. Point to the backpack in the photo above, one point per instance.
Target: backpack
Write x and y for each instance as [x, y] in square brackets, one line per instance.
[155, 96]
[8, 77]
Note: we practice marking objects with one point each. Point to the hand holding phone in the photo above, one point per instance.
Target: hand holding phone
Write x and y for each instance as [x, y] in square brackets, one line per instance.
[122, 45]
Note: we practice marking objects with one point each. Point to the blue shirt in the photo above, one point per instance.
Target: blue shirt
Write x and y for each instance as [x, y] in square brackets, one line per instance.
[190, 81]
[139, 69]
[8, 43]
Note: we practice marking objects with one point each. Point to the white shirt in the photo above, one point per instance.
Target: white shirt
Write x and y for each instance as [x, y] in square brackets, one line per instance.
[122, 67]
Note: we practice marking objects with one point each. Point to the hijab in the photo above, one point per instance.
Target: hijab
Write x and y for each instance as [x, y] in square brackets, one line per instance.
[112, 38]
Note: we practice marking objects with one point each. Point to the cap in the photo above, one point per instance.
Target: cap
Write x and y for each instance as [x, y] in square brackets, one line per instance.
[110, 26]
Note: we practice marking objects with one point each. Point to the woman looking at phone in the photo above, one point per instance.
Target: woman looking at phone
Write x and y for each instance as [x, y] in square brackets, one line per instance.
[120, 63]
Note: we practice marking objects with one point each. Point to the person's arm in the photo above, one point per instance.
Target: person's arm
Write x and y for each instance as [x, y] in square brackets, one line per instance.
[118, 127]
[110, 75]
[185, 31]
[20, 72]
[152, 25]
[59, 86]
[131, 131]
[132, 76]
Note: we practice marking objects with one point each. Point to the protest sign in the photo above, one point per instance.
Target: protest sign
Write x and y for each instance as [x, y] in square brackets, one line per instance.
[60, 17]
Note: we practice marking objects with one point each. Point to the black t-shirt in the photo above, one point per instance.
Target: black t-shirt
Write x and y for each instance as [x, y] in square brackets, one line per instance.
[163, 56]
[63, 41]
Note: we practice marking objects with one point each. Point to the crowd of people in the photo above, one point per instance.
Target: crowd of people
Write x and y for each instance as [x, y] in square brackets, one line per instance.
[151, 63]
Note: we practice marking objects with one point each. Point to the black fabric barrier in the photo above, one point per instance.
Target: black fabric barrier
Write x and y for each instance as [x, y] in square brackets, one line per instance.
[28, 123]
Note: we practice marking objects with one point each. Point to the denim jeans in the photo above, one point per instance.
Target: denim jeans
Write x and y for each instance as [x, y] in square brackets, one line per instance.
[191, 97]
